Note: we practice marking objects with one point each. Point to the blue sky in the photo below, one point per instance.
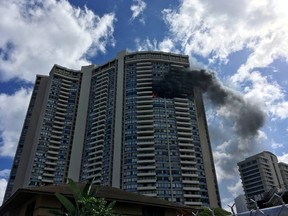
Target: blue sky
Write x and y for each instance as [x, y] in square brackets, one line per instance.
[244, 42]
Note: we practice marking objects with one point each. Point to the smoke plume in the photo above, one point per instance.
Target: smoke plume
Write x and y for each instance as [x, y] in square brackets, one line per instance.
[247, 117]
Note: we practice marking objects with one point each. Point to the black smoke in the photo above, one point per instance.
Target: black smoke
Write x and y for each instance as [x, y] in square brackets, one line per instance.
[248, 118]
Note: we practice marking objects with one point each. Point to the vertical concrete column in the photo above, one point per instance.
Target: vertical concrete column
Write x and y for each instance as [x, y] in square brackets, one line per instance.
[117, 145]
[80, 126]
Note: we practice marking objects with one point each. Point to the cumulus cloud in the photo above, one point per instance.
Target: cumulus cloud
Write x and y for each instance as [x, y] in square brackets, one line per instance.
[4, 174]
[283, 158]
[221, 28]
[12, 112]
[236, 189]
[37, 34]
[137, 10]
[3, 184]
[215, 30]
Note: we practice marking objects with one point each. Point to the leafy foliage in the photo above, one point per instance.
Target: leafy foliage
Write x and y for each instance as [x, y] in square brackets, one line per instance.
[85, 202]
[217, 212]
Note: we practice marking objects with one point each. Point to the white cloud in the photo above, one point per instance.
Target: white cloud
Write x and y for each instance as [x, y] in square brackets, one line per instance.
[236, 189]
[37, 34]
[223, 27]
[215, 30]
[4, 173]
[275, 145]
[12, 112]
[283, 158]
[3, 184]
[137, 10]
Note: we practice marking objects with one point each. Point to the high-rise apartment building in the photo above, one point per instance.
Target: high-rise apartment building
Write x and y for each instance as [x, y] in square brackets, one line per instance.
[259, 174]
[284, 173]
[107, 123]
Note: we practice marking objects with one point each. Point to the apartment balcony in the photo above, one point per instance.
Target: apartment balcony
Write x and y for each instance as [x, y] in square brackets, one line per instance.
[57, 141]
[145, 133]
[190, 203]
[151, 194]
[50, 169]
[48, 174]
[197, 196]
[195, 188]
[62, 101]
[188, 161]
[145, 107]
[143, 181]
[146, 188]
[149, 154]
[147, 161]
[66, 85]
[54, 147]
[145, 121]
[55, 136]
[144, 174]
[144, 97]
[97, 175]
[145, 141]
[95, 158]
[146, 148]
[185, 140]
[59, 118]
[190, 182]
[58, 122]
[63, 96]
[146, 167]
[189, 174]
[96, 164]
[144, 93]
[56, 132]
[183, 118]
[97, 145]
[187, 157]
[45, 180]
[144, 87]
[52, 157]
[51, 152]
[61, 109]
[146, 74]
[185, 150]
[57, 127]
[189, 168]
[184, 134]
[181, 102]
[147, 67]
[96, 169]
[51, 163]
[145, 127]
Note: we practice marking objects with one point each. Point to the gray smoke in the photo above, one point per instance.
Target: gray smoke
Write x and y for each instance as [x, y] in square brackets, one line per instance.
[246, 117]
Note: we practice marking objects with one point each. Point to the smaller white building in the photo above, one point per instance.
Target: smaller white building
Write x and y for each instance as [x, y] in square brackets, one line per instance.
[240, 204]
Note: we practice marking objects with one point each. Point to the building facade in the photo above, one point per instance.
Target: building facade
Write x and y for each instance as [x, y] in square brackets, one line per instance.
[109, 124]
[284, 173]
[240, 204]
[259, 174]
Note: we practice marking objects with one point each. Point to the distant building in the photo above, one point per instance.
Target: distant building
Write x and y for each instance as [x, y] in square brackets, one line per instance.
[108, 123]
[240, 203]
[259, 174]
[284, 173]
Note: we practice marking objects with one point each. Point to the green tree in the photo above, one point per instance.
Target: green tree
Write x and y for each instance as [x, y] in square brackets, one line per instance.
[85, 202]
[217, 212]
